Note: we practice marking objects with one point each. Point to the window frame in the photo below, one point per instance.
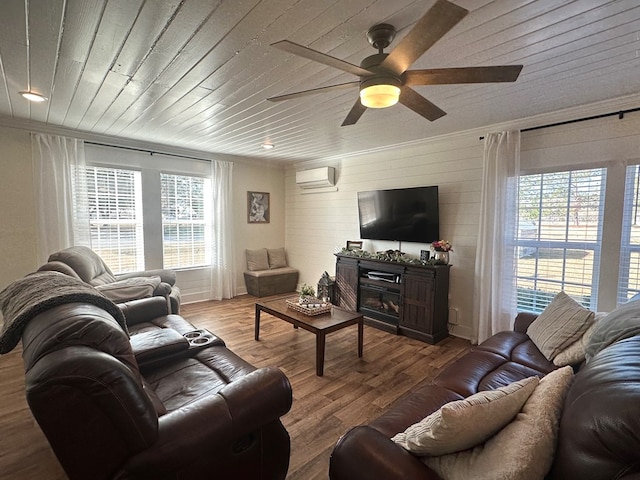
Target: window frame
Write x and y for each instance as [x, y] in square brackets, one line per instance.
[534, 245]
[150, 165]
[206, 221]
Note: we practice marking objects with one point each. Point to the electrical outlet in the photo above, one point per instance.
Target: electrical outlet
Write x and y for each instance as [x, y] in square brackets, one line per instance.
[453, 316]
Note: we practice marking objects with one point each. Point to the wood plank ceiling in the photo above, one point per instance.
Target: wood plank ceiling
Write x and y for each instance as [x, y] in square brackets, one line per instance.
[196, 73]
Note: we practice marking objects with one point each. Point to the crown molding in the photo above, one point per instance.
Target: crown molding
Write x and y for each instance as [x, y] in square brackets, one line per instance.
[592, 109]
[120, 142]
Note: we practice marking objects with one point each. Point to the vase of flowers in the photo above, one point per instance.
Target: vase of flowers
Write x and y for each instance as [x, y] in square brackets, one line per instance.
[441, 249]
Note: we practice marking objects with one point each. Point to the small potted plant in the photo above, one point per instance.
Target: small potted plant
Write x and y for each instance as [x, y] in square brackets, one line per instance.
[307, 294]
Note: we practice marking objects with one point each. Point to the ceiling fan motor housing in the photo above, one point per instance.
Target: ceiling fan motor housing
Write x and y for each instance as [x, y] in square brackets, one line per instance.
[381, 89]
[379, 76]
[380, 80]
[372, 62]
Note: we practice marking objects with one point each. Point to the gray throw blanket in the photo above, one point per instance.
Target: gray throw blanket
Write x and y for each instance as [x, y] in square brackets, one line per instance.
[25, 298]
[621, 323]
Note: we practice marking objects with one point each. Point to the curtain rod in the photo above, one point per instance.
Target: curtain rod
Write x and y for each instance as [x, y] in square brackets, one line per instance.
[620, 115]
[150, 152]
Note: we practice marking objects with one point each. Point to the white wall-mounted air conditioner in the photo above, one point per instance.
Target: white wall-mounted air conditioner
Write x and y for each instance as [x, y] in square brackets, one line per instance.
[316, 178]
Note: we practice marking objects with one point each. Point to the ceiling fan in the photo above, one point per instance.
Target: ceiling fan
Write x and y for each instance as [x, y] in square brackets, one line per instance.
[384, 78]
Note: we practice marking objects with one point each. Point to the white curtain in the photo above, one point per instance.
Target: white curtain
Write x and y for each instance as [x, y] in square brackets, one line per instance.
[61, 194]
[223, 268]
[494, 299]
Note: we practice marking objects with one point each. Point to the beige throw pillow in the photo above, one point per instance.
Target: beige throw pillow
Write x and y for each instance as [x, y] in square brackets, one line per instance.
[277, 258]
[576, 352]
[257, 259]
[524, 449]
[559, 325]
[465, 423]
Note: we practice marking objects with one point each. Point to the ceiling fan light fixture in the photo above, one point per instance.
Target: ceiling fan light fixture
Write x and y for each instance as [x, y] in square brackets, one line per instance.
[380, 92]
[379, 96]
[33, 96]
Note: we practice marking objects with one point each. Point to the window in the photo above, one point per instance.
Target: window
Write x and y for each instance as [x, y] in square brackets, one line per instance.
[559, 237]
[629, 282]
[185, 221]
[115, 217]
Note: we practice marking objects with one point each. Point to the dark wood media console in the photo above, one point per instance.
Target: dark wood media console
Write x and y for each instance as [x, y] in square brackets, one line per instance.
[401, 298]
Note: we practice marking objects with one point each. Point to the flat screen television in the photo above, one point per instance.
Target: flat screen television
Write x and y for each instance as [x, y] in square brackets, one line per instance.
[403, 214]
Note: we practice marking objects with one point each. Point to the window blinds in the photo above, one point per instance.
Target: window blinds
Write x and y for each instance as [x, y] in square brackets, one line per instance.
[560, 216]
[629, 273]
[185, 222]
[115, 216]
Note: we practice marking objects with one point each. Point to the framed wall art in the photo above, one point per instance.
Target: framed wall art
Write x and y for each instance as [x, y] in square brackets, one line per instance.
[258, 210]
[354, 245]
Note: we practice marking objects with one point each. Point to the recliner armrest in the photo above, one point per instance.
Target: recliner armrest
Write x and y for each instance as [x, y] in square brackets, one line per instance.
[144, 309]
[270, 386]
[192, 432]
[163, 290]
[166, 276]
[364, 452]
[157, 344]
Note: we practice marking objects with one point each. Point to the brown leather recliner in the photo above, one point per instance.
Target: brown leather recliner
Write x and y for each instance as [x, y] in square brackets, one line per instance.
[85, 264]
[195, 412]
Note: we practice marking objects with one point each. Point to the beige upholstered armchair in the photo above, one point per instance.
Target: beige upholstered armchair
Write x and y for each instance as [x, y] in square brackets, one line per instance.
[83, 263]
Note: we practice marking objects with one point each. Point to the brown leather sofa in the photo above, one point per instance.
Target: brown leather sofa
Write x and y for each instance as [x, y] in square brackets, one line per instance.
[164, 404]
[83, 263]
[598, 436]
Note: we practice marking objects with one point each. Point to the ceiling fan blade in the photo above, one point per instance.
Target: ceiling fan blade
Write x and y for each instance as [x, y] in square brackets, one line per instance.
[354, 114]
[433, 25]
[416, 102]
[319, 57]
[448, 76]
[313, 91]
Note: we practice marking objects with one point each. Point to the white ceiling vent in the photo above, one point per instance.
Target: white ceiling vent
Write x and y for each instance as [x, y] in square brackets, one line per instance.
[316, 178]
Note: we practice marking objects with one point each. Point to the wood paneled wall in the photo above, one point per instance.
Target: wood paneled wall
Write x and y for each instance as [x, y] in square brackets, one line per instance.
[319, 224]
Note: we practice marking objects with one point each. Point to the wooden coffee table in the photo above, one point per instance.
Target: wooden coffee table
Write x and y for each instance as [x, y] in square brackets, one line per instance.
[319, 325]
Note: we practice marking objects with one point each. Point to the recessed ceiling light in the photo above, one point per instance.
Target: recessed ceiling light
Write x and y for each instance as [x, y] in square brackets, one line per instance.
[267, 145]
[33, 97]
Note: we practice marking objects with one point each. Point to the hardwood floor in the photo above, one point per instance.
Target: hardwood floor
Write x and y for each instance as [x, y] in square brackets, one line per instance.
[352, 391]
